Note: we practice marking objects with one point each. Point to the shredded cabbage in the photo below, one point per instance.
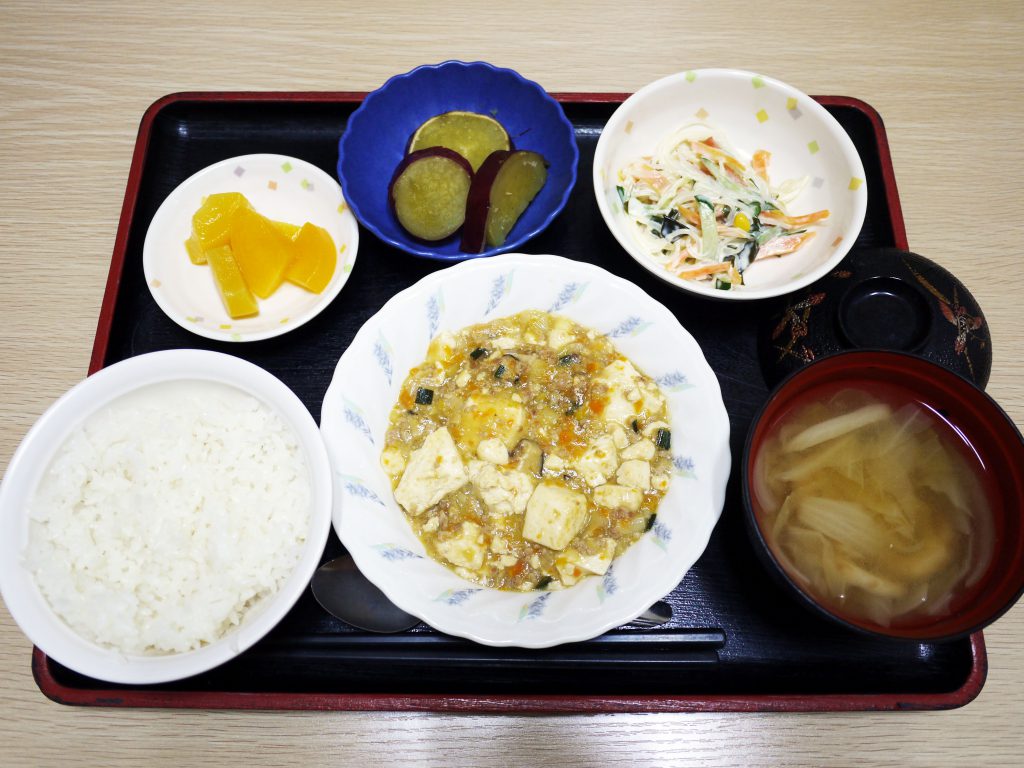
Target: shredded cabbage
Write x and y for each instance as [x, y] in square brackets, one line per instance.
[703, 214]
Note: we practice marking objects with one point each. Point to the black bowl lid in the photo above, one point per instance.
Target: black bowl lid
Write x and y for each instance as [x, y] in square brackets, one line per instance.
[880, 298]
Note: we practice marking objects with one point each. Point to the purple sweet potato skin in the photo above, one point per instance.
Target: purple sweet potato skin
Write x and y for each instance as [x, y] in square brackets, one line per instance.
[413, 157]
[478, 204]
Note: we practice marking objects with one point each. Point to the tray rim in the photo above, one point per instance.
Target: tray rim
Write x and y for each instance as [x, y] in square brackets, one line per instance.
[42, 670]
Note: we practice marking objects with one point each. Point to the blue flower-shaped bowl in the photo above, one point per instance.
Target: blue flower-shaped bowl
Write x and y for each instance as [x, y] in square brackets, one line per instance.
[377, 134]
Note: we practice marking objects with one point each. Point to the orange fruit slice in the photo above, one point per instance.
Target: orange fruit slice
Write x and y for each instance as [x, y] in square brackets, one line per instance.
[211, 224]
[315, 258]
[237, 298]
[262, 251]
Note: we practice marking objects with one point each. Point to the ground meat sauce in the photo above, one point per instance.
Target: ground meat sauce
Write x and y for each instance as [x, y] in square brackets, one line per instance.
[527, 452]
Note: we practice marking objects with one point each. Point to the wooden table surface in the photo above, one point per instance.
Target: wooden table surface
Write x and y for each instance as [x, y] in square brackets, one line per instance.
[75, 79]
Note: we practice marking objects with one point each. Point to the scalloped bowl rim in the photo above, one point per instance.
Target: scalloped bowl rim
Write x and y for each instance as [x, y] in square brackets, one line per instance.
[425, 251]
[572, 626]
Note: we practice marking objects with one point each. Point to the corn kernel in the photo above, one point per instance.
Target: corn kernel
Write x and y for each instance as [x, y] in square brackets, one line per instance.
[741, 221]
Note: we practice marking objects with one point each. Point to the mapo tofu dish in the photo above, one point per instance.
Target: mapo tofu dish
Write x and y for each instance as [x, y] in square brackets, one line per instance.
[527, 452]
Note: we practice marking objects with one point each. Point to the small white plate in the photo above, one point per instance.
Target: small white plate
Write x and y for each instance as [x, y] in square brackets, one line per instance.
[281, 188]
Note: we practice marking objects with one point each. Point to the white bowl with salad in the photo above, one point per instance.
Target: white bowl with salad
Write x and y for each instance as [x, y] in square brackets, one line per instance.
[729, 184]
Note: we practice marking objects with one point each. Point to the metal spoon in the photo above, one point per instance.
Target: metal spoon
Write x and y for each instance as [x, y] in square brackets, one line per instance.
[346, 594]
[658, 614]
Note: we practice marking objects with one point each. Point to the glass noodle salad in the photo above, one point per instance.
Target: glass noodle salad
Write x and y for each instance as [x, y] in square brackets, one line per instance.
[705, 215]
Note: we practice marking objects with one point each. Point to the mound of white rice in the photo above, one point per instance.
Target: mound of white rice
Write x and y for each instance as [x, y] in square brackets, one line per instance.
[168, 516]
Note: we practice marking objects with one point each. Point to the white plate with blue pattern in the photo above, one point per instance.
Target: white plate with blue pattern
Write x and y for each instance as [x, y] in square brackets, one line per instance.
[373, 527]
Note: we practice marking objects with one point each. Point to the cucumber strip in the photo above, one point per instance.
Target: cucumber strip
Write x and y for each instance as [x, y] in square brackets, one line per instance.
[708, 228]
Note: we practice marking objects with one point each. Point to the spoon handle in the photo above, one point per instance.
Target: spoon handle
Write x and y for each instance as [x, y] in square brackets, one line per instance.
[658, 614]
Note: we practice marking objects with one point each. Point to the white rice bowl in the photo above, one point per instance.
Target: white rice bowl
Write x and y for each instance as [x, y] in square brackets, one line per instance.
[163, 516]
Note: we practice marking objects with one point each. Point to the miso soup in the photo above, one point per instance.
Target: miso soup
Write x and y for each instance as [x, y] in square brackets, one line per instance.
[875, 504]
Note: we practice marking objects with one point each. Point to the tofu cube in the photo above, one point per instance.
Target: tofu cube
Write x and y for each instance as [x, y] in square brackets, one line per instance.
[492, 416]
[629, 394]
[505, 342]
[619, 436]
[504, 491]
[660, 482]
[618, 497]
[599, 461]
[554, 464]
[599, 562]
[644, 449]
[434, 470]
[635, 474]
[554, 515]
[492, 450]
[573, 566]
[561, 334]
[464, 549]
[442, 347]
[392, 460]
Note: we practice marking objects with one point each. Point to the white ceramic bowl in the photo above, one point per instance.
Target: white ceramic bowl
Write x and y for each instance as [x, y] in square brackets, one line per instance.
[281, 188]
[373, 527]
[753, 112]
[20, 592]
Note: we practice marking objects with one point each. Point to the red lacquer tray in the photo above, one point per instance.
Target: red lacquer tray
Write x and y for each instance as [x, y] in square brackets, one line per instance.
[735, 642]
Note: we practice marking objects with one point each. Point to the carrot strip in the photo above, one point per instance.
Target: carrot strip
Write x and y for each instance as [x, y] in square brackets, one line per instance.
[710, 269]
[690, 216]
[716, 153]
[778, 217]
[657, 181]
[760, 163]
[780, 246]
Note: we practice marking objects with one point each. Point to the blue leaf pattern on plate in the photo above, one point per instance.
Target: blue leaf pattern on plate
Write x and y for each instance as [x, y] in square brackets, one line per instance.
[455, 596]
[608, 585]
[631, 326]
[435, 306]
[396, 552]
[535, 609]
[569, 294]
[662, 535]
[675, 381]
[357, 488]
[382, 353]
[354, 416]
[499, 290]
[684, 466]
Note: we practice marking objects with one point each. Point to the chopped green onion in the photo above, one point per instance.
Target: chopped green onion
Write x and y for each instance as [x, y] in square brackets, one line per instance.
[650, 521]
[543, 582]
[570, 359]
[663, 439]
[479, 352]
[622, 195]
[636, 425]
[424, 396]
[500, 371]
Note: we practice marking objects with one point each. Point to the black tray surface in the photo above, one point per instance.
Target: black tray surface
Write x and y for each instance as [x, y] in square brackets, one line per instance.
[733, 630]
